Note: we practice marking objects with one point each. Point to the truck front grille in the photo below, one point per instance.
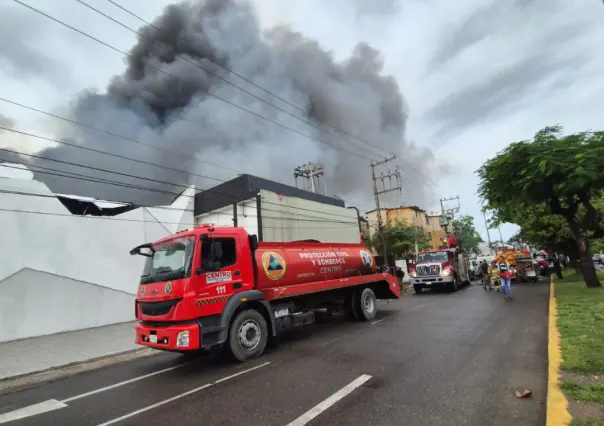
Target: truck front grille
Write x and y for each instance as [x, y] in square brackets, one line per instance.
[156, 309]
[427, 270]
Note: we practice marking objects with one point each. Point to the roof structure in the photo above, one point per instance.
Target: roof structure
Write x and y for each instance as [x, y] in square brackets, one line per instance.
[247, 186]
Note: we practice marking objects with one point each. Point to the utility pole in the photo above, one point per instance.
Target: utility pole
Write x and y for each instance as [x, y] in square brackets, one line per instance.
[486, 224]
[396, 174]
[449, 212]
[308, 173]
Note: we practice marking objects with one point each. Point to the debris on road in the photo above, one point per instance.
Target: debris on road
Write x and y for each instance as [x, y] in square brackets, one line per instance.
[524, 394]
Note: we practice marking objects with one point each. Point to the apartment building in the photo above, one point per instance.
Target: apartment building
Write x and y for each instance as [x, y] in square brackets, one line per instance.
[413, 216]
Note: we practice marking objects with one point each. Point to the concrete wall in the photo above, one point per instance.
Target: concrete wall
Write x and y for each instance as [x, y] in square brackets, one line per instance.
[290, 219]
[60, 272]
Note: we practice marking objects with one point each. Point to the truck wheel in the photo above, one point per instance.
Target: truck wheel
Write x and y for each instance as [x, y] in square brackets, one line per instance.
[455, 284]
[366, 304]
[418, 289]
[248, 335]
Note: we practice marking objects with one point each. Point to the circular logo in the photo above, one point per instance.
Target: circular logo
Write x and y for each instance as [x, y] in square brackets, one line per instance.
[168, 288]
[273, 264]
[366, 258]
[142, 290]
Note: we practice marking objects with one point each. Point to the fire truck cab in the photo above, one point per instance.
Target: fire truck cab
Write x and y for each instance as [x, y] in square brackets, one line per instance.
[444, 268]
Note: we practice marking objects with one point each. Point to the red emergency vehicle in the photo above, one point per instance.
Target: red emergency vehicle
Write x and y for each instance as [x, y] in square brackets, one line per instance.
[213, 286]
[445, 268]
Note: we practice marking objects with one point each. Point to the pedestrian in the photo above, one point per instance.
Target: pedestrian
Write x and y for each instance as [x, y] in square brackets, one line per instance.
[505, 278]
[557, 268]
[494, 275]
[486, 279]
[400, 274]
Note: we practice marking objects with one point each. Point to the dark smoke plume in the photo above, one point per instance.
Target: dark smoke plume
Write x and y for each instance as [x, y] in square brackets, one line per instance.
[176, 113]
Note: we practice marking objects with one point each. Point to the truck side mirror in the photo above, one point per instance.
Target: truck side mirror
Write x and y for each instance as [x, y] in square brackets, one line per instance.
[253, 239]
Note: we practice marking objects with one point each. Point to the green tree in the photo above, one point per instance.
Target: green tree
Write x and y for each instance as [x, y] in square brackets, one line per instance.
[400, 239]
[466, 234]
[563, 173]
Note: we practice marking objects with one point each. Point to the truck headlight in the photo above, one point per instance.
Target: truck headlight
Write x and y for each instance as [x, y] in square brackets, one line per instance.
[446, 272]
[183, 339]
[413, 274]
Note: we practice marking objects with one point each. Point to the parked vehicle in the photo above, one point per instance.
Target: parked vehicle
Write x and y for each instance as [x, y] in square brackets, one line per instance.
[525, 269]
[445, 268]
[596, 258]
[218, 286]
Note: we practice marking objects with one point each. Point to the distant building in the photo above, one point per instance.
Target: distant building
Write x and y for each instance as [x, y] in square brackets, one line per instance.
[413, 216]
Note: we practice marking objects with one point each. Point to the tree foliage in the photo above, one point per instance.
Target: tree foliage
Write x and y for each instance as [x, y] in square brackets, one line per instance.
[555, 177]
[466, 234]
[400, 239]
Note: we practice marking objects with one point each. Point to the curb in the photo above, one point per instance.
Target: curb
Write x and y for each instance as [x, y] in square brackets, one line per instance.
[27, 380]
[557, 404]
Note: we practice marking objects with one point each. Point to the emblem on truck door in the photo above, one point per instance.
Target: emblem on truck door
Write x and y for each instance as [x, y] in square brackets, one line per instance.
[273, 264]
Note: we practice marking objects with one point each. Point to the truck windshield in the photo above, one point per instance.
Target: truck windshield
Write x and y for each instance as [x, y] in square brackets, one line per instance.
[171, 260]
[439, 256]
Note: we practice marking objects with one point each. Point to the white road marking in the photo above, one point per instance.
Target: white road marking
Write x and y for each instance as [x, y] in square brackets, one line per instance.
[125, 382]
[385, 318]
[418, 306]
[32, 410]
[182, 395]
[324, 405]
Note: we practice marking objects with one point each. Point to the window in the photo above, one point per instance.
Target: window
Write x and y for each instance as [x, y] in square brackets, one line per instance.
[427, 221]
[218, 253]
[171, 260]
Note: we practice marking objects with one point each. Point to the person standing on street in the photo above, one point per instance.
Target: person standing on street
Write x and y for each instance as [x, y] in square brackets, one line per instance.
[494, 275]
[557, 268]
[486, 279]
[505, 278]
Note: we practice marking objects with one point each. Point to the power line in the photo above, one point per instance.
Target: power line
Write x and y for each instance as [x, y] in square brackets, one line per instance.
[102, 180]
[4, 191]
[171, 75]
[98, 151]
[110, 182]
[240, 76]
[309, 123]
[127, 139]
[126, 220]
[116, 135]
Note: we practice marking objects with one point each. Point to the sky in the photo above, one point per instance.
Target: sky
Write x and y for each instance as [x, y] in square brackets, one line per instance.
[475, 75]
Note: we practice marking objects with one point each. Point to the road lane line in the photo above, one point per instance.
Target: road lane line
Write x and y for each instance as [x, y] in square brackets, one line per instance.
[385, 318]
[418, 306]
[125, 382]
[182, 395]
[324, 405]
[32, 410]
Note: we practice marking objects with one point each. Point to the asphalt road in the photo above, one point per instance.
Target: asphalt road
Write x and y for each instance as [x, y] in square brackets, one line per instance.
[430, 359]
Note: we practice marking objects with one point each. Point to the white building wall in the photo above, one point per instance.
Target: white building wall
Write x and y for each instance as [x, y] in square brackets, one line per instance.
[291, 219]
[77, 266]
[246, 216]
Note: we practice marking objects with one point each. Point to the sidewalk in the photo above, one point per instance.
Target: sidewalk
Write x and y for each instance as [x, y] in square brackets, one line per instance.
[46, 352]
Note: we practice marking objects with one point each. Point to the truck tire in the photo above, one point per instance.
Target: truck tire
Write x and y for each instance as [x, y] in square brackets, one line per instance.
[418, 289]
[455, 283]
[248, 335]
[366, 304]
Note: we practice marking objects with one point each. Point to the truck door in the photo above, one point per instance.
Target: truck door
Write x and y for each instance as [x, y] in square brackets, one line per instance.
[220, 266]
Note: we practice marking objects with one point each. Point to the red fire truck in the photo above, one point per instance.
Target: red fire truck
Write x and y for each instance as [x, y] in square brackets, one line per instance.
[439, 268]
[213, 286]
